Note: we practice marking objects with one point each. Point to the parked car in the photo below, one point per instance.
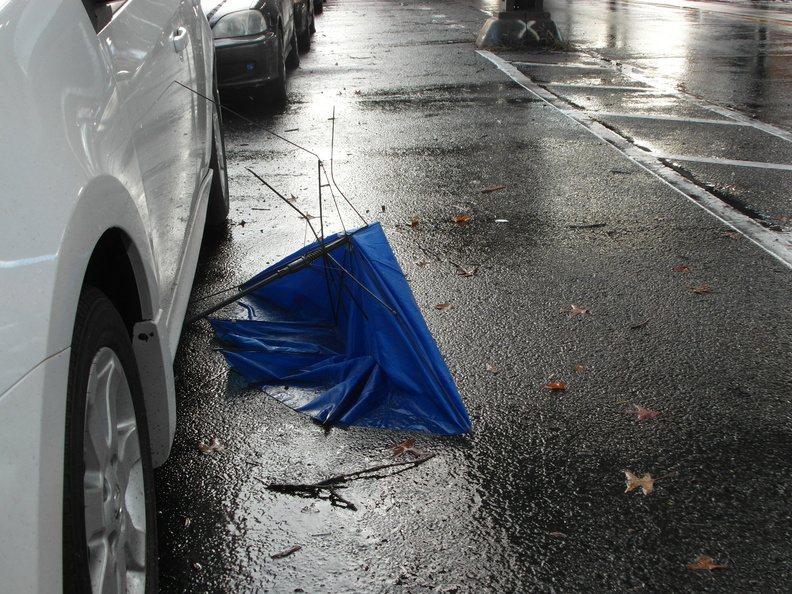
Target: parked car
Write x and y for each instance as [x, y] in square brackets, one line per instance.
[112, 164]
[256, 40]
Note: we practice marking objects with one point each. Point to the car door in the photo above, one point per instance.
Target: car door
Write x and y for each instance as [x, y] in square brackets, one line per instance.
[155, 50]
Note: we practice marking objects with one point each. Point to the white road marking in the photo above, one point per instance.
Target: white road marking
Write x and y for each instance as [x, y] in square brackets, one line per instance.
[731, 162]
[669, 118]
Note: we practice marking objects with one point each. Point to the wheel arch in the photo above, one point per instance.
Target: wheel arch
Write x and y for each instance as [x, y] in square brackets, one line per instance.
[108, 248]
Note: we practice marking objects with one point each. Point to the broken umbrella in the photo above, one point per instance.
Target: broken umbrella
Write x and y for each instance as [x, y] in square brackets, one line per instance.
[334, 331]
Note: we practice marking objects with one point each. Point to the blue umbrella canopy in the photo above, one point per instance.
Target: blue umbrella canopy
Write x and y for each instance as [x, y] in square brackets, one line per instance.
[342, 340]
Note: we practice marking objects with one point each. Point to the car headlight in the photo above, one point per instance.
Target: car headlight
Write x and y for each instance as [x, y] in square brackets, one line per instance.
[240, 24]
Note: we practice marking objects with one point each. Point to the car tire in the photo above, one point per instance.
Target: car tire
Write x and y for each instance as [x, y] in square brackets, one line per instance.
[318, 6]
[109, 518]
[304, 38]
[217, 213]
[293, 59]
[275, 91]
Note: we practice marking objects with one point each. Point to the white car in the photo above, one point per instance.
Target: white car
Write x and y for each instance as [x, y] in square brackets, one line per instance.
[111, 165]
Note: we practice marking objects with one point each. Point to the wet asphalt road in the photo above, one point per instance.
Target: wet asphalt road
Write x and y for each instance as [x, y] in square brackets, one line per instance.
[534, 499]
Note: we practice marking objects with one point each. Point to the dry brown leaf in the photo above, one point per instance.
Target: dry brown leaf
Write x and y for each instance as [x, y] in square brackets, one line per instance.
[633, 482]
[461, 220]
[492, 369]
[555, 386]
[423, 263]
[444, 306]
[405, 447]
[582, 311]
[467, 272]
[215, 445]
[700, 290]
[646, 483]
[684, 269]
[643, 413]
[705, 563]
[579, 367]
[413, 222]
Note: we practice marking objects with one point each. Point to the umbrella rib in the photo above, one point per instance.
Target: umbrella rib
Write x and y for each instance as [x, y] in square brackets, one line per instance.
[361, 285]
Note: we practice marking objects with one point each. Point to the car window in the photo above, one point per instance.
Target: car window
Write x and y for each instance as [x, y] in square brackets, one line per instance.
[101, 12]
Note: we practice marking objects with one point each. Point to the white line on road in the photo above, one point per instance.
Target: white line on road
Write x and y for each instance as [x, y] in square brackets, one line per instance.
[608, 87]
[730, 162]
[668, 118]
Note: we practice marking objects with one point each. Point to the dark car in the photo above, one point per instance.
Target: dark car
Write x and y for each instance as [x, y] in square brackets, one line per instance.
[256, 40]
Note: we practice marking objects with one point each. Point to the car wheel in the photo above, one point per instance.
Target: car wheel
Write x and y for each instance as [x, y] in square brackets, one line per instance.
[293, 59]
[304, 39]
[318, 6]
[217, 214]
[109, 524]
[275, 91]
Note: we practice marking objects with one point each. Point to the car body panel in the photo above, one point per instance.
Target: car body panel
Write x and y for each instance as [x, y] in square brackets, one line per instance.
[248, 61]
[30, 556]
[101, 139]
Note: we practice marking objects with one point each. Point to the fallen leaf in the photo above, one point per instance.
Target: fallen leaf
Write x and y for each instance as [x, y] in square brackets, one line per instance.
[583, 311]
[444, 306]
[685, 269]
[413, 222]
[293, 198]
[492, 369]
[700, 290]
[643, 413]
[404, 447]
[214, 446]
[555, 386]
[308, 216]
[579, 367]
[633, 482]
[646, 483]
[467, 272]
[461, 220]
[705, 563]
[286, 553]
[495, 189]
[423, 263]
